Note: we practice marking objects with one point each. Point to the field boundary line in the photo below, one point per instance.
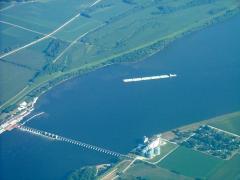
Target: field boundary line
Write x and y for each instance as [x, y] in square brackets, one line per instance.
[24, 28]
[170, 152]
[227, 132]
[6, 8]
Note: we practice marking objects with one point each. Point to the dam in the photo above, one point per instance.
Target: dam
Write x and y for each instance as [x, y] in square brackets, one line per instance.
[52, 136]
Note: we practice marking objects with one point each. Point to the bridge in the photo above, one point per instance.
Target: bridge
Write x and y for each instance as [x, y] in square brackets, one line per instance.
[56, 137]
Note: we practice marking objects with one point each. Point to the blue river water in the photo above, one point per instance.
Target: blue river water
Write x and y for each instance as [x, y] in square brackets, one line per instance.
[98, 108]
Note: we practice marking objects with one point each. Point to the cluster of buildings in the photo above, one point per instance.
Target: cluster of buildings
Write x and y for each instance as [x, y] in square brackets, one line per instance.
[151, 147]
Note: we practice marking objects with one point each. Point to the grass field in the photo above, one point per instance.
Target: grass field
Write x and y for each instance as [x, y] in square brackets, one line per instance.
[229, 122]
[190, 163]
[115, 31]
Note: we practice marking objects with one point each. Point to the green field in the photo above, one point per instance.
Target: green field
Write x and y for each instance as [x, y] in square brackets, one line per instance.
[15, 81]
[229, 122]
[12, 37]
[114, 31]
[227, 170]
[146, 171]
[190, 163]
[197, 165]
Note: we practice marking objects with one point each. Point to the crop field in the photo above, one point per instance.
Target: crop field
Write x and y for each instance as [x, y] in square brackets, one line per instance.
[52, 38]
[230, 123]
[190, 163]
[227, 170]
[12, 37]
[197, 165]
[76, 29]
[35, 57]
[44, 16]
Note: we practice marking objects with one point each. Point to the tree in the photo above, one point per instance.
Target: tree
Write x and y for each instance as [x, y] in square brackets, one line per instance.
[87, 173]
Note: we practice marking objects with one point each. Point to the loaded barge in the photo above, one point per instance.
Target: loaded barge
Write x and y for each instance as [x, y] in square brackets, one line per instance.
[165, 76]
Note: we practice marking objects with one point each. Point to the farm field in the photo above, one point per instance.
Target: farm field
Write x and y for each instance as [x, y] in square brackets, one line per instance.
[181, 161]
[82, 35]
[14, 37]
[9, 86]
[227, 170]
[146, 171]
[205, 167]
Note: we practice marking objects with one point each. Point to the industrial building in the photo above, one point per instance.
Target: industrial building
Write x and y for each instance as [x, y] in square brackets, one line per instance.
[151, 146]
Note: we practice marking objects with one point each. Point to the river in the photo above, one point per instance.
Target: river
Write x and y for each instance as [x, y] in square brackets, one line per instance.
[98, 108]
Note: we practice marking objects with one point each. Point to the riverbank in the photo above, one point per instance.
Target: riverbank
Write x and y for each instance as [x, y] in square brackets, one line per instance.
[46, 83]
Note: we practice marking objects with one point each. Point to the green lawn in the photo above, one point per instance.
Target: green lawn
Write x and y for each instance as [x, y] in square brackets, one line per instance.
[190, 163]
[229, 122]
